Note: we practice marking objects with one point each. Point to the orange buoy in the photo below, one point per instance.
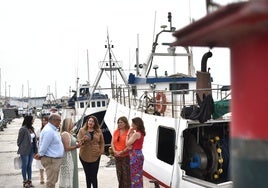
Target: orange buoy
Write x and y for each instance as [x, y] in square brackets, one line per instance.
[161, 102]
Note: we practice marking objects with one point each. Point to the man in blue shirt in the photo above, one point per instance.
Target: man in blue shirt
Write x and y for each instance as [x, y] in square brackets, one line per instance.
[51, 149]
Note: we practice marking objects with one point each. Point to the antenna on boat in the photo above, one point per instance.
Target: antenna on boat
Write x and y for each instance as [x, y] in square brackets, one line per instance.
[155, 43]
[88, 78]
[137, 57]
[211, 6]
[170, 20]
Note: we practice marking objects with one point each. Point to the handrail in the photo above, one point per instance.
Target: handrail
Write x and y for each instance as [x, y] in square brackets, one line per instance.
[146, 101]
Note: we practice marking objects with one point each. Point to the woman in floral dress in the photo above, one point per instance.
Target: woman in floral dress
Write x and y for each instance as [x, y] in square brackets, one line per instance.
[69, 167]
[134, 143]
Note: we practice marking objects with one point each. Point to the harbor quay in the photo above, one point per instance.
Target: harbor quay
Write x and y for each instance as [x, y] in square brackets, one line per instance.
[12, 178]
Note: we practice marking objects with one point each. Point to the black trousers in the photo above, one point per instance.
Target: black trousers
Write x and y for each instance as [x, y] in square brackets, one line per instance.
[91, 172]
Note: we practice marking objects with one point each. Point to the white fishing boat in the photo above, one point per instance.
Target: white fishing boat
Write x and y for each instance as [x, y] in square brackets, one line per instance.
[91, 99]
[187, 136]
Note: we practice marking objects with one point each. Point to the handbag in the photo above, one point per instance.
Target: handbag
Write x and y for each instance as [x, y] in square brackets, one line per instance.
[17, 162]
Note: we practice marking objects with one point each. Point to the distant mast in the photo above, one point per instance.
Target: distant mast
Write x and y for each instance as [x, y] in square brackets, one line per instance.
[28, 88]
[22, 87]
[22, 96]
[88, 77]
[0, 84]
[56, 89]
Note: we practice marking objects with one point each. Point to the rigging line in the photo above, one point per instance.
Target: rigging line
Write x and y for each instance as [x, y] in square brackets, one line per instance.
[115, 60]
[88, 77]
[190, 11]
[104, 57]
[115, 112]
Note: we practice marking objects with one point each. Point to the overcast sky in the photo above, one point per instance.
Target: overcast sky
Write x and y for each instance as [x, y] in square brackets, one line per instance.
[43, 44]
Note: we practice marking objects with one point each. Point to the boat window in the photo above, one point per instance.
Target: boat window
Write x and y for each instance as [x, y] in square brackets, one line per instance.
[84, 91]
[93, 105]
[98, 104]
[103, 103]
[82, 105]
[179, 86]
[166, 144]
[88, 104]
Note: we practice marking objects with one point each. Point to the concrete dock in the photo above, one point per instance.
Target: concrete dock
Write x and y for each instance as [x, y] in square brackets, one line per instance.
[11, 178]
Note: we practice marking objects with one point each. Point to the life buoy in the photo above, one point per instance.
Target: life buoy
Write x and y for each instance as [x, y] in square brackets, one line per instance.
[161, 102]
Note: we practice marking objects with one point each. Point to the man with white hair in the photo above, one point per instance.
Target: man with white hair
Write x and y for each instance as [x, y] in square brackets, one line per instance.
[51, 149]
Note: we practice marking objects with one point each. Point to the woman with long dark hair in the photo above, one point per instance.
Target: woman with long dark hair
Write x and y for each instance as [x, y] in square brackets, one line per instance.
[135, 142]
[121, 153]
[27, 148]
[91, 137]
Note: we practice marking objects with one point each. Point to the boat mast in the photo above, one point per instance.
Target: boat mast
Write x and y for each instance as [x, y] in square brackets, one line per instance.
[112, 66]
[109, 47]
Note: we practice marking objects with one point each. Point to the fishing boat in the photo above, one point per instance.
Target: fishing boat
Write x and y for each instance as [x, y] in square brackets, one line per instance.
[91, 100]
[79, 103]
[186, 118]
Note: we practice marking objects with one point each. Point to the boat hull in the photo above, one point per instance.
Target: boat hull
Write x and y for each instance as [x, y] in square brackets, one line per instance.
[164, 147]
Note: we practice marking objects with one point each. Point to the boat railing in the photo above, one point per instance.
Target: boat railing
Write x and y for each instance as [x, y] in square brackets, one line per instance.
[167, 103]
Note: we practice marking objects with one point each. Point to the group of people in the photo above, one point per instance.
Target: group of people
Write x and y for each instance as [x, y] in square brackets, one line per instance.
[127, 149]
[55, 149]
